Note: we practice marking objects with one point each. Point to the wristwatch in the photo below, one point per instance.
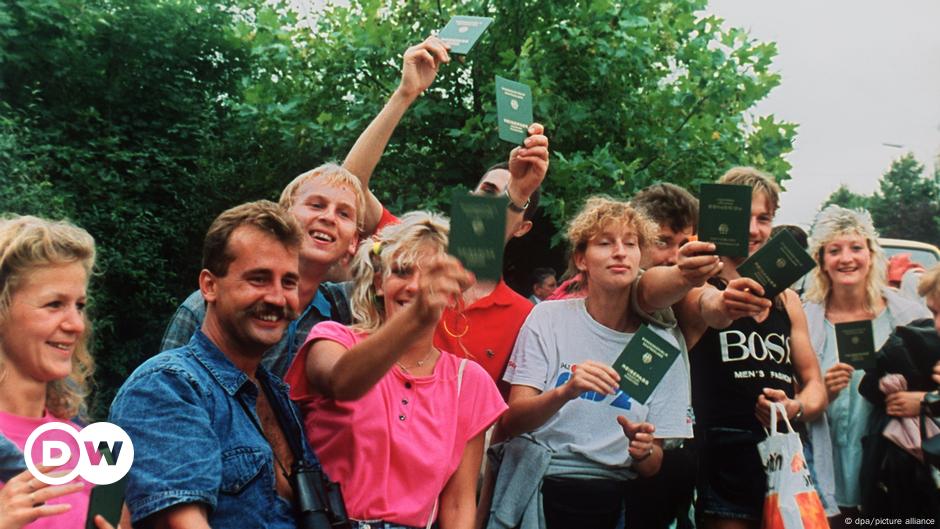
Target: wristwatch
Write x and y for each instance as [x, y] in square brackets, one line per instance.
[512, 203]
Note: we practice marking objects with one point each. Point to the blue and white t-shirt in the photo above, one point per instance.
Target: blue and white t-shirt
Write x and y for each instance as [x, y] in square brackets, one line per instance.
[585, 432]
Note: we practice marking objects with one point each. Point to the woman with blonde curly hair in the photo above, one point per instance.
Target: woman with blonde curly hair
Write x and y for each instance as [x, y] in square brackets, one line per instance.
[396, 421]
[564, 392]
[45, 365]
[848, 285]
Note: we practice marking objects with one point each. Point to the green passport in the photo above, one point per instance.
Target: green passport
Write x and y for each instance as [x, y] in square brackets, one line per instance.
[643, 363]
[477, 233]
[463, 32]
[856, 343]
[778, 264]
[724, 217]
[513, 110]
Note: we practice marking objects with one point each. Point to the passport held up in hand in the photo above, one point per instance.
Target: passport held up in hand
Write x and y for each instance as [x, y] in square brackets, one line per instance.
[513, 110]
[477, 233]
[643, 363]
[778, 264]
[462, 32]
[725, 217]
[856, 343]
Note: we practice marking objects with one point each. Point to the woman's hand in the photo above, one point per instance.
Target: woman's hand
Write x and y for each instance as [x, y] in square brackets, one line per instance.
[641, 438]
[644, 450]
[442, 280]
[904, 403]
[23, 499]
[591, 376]
[837, 378]
[420, 66]
[936, 373]
[697, 264]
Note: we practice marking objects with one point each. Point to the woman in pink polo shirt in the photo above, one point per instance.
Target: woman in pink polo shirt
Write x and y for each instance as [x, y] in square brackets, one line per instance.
[44, 359]
[397, 422]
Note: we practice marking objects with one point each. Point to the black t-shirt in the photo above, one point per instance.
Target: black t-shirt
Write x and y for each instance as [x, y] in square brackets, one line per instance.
[730, 367]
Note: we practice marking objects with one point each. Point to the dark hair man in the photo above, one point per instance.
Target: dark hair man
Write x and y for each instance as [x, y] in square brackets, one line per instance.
[543, 284]
[213, 429]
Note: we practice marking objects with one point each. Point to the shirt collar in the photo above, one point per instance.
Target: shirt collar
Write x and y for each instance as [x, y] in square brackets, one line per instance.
[320, 303]
[221, 368]
[502, 295]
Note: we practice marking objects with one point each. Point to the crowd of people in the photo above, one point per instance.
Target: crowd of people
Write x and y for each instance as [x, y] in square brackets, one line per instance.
[282, 399]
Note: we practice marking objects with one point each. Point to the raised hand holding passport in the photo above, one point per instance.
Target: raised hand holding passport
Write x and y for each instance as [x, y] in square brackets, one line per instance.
[420, 66]
[743, 297]
[697, 262]
[528, 164]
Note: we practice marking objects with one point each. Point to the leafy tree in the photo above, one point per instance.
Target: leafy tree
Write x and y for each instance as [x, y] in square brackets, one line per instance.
[907, 204]
[846, 198]
[143, 120]
[631, 93]
[115, 115]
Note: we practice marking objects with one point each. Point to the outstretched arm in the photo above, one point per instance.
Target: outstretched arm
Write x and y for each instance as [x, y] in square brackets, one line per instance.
[347, 374]
[663, 286]
[421, 63]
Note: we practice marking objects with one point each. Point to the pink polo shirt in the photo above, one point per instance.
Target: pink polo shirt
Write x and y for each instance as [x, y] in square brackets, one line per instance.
[394, 449]
[17, 430]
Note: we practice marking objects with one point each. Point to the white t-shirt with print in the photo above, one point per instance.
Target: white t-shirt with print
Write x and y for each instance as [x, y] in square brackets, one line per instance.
[585, 432]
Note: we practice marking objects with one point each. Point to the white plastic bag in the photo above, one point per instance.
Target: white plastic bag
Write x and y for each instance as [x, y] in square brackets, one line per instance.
[791, 501]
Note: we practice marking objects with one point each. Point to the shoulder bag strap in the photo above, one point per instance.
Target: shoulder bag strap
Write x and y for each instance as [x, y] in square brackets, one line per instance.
[463, 365]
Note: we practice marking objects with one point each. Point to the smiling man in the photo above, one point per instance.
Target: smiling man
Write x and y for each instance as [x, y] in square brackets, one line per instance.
[212, 427]
[326, 202]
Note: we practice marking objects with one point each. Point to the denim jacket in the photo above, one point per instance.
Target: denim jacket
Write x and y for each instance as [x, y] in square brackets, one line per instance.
[194, 442]
[11, 460]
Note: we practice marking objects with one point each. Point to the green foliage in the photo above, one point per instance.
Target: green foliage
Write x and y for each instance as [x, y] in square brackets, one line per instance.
[847, 199]
[630, 93]
[907, 204]
[114, 113]
[143, 120]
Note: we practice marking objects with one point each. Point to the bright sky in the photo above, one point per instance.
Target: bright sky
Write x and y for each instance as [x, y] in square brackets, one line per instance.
[856, 75]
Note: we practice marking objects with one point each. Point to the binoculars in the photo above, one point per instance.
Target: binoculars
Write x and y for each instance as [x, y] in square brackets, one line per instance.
[319, 501]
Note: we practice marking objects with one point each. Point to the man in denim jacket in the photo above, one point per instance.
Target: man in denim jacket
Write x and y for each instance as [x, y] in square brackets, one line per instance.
[209, 450]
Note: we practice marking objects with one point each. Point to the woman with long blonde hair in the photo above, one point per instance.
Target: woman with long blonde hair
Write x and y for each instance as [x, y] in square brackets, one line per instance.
[396, 421]
[45, 366]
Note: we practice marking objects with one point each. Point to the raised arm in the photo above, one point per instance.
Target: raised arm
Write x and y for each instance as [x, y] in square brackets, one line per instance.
[663, 286]
[420, 66]
[527, 168]
[189, 515]
[347, 374]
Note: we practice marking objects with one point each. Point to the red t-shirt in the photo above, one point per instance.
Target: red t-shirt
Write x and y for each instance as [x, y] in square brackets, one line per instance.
[488, 333]
[386, 219]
